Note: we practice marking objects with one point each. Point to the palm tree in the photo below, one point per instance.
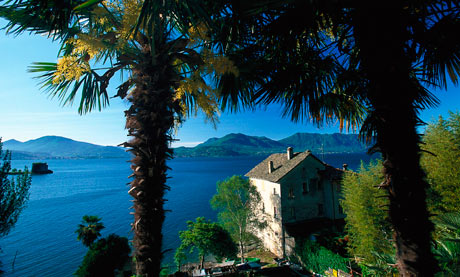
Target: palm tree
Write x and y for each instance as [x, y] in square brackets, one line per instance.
[322, 58]
[163, 59]
[89, 229]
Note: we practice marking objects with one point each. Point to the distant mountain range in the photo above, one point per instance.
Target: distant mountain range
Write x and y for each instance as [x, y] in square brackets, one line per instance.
[54, 147]
[243, 145]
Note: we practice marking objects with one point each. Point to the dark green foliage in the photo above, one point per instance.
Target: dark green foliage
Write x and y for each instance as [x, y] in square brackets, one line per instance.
[105, 256]
[89, 230]
[335, 240]
[237, 200]
[207, 238]
[447, 243]
[14, 192]
[383, 265]
[318, 259]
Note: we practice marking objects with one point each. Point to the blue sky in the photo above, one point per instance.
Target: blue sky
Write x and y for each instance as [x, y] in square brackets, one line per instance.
[26, 112]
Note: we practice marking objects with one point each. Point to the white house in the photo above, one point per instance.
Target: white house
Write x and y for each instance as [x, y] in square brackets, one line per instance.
[299, 193]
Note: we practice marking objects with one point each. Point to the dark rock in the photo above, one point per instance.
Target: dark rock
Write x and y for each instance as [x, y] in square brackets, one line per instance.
[40, 168]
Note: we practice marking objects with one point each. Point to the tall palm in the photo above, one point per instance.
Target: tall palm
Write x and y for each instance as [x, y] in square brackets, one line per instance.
[163, 63]
[316, 57]
[89, 229]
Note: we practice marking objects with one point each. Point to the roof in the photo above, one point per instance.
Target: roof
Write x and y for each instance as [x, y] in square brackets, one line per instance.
[281, 165]
[332, 173]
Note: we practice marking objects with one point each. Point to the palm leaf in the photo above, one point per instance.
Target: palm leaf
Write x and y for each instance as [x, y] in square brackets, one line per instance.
[449, 221]
[87, 4]
[440, 48]
[53, 18]
[92, 96]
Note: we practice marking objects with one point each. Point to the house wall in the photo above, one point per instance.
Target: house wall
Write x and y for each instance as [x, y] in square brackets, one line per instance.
[337, 190]
[271, 235]
[302, 191]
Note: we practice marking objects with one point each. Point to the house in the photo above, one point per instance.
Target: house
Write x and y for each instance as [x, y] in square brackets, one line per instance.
[299, 193]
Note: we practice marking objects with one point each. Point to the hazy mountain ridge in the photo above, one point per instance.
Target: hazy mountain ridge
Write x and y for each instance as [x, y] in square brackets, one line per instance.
[54, 147]
[241, 145]
[331, 143]
[49, 147]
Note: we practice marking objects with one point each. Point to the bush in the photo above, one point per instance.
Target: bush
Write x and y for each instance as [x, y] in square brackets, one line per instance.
[318, 259]
[105, 256]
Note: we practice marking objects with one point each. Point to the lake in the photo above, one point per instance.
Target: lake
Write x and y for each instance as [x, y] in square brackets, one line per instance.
[44, 243]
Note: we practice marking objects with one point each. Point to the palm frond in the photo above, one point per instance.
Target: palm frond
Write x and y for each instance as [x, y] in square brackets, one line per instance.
[440, 49]
[450, 221]
[87, 4]
[93, 93]
[55, 19]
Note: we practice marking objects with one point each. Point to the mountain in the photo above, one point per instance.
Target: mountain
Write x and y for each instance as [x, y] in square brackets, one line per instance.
[231, 145]
[60, 147]
[244, 145]
[332, 143]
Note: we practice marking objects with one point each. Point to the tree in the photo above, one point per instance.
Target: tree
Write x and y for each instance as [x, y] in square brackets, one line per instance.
[207, 238]
[164, 60]
[105, 256]
[367, 222]
[316, 57]
[441, 162]
[89, 230]
[236, 200]
[14, 193]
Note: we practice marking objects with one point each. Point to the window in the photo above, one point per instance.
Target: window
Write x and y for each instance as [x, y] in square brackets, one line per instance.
[305, 187]
[291, 193]
[274, 212]
[320, 209]
[263, 207]
[293, 212]
[274, 190]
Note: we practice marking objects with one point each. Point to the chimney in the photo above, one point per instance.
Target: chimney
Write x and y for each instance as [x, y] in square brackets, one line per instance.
[289, 153]
[270, 167]
[345, 166]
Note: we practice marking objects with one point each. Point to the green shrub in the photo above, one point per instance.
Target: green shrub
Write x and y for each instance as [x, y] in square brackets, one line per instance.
[318, 259]
[105, 256]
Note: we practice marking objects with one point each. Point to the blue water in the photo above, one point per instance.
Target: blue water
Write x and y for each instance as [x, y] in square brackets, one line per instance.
[43, 242]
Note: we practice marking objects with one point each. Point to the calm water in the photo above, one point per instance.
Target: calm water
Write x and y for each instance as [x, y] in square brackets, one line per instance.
[43, 242]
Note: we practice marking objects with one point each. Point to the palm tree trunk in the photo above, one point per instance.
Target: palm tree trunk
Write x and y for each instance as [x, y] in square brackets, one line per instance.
[381, 35]
[149, 121]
